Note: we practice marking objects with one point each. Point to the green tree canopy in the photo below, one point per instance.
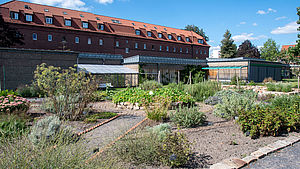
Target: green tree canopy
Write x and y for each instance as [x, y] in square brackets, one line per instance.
[9, 36]
[270, 50]
[228, 48]
[197, 30]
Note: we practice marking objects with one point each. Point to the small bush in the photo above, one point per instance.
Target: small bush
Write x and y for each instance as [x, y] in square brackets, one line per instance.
[252, 83]
[150, 85]
[50, 130]
[188, 117]
[98, 96]
[284, 101]
[147, 148]
[103, 115]
[279, 87]
[271, 87]
[11, 126]
[161, 130]
[203, 90]
[13, 104]
[235, 101]
[158, 109]
[29, 91]
[7, 92]
[269, 80]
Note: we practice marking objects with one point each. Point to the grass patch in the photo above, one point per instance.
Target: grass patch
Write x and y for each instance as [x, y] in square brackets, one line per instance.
[103, 115]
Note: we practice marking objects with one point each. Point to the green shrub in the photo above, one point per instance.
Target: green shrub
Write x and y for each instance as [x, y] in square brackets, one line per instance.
[148, 149]
[271, 87]
[252, 83]
[50, 130]
[99, 96]
[188, 117]
[7, 92]
[269, 121]
[157, 108]
[235, 101]
[11, 126]
[29, 91]
[203, 90]
[284, 101]
[279, 87]
[103, 115]
[150, 85]
[161, 130]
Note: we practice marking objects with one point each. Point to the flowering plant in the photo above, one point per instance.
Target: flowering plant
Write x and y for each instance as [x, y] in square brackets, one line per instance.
[12, 103]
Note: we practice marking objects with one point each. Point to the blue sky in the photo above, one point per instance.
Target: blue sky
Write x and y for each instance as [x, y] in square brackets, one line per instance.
[256, 20]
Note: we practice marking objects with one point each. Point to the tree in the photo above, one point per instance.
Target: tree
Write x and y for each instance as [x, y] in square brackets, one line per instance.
[247, 49]
[9, 36]
[296, 51]
[270, 50]
[197, 30]
[228, 48]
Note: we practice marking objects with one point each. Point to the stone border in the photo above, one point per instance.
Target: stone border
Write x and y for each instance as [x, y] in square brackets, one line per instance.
[236, 163]
[98, 125]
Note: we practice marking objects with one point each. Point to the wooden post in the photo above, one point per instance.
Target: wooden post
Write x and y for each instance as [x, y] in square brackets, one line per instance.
[190, 77]
[178, 76]
[158, 77]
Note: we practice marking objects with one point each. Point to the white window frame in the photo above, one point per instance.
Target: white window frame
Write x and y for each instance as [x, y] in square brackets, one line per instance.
[188, 39]
[167, 48]
[50, 38]
[200, 41]
[138, 32]
[34, 36]
[68, 22]
[101, 27]
[160, 48]
[180, 50]
[136, 45]
[77, 40]
[49, 20]
[101, 42]
[117, 44]
[145, 46]
[14, 15]
[160, 35]
[170, 37]
[179, 38]
[85, 25]
[89, 41]
[149, 34]
[28, 17]
[174, 49]
[126, 50]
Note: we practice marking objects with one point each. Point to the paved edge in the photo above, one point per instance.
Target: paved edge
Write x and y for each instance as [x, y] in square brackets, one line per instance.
[236, 163]
[98, 125]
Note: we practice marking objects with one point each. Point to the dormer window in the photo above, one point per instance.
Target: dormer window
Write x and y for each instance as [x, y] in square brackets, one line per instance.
[133, 24]
[101, 27]
[145, 26]
[115, 21]
[179, 38]
[188, 39]
[200, 41]
[169, 36]
[49, 20]
[81, 15]
[28, 17]
[165, 29]
[85, 24]
[14, 15]
[65, 13]
[149, 34]
[46, 10]
[68, 22]
[155, 27]
[98, 19]
[159, 35]
[137, 32]
[26, 7]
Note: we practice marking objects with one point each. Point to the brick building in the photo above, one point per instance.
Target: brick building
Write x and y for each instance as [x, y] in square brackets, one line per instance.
[52, 28]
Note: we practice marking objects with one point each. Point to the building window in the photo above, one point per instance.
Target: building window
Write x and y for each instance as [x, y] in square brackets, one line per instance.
[205, 52]
[137, 32]
[145, 46]
[167, 48]
[149, 34]
[115, 21]
[200, 52]
[200, 41]
[169, 36]
[68, 22]
[160, 48]
[85, 24]
[196, 51]
[160, 35]
[153, 47]
[28, 17]
[76, 39]
[174, 49]
[187, 50]
[14, 15]
[126, 50]
[101, 27]
[127, 41]
[49, 20]
[180, 50]
[188, 39]
[136, 45]
[34, 36]
[117, 44]
[179, 38]
[100, 42]
[49, 38]
[89, 41]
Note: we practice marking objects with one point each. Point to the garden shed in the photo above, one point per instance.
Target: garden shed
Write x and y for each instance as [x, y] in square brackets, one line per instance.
[248, 69]
[116, 75]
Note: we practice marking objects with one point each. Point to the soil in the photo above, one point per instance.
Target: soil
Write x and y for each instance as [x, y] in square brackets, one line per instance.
[222, 139]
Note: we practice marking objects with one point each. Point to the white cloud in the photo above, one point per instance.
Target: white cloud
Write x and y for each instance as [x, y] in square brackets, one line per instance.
[254, 24]
[262, 12]
[71, 4]
[280, 18]
[105, 1]
[242, 23]
[287, 29]
[245, 36]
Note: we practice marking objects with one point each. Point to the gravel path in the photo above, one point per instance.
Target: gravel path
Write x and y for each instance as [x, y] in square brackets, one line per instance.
[288, 158]
[108, 132]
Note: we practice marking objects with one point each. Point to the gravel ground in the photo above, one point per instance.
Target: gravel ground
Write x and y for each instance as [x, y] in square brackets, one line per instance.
[223, 139]
[288, 158]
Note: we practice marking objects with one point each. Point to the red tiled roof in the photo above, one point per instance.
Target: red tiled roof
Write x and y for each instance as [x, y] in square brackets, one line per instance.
[286, 47]
[51, 11]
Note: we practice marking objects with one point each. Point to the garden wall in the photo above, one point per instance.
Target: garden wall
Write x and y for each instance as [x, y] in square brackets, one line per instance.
[17, 65]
